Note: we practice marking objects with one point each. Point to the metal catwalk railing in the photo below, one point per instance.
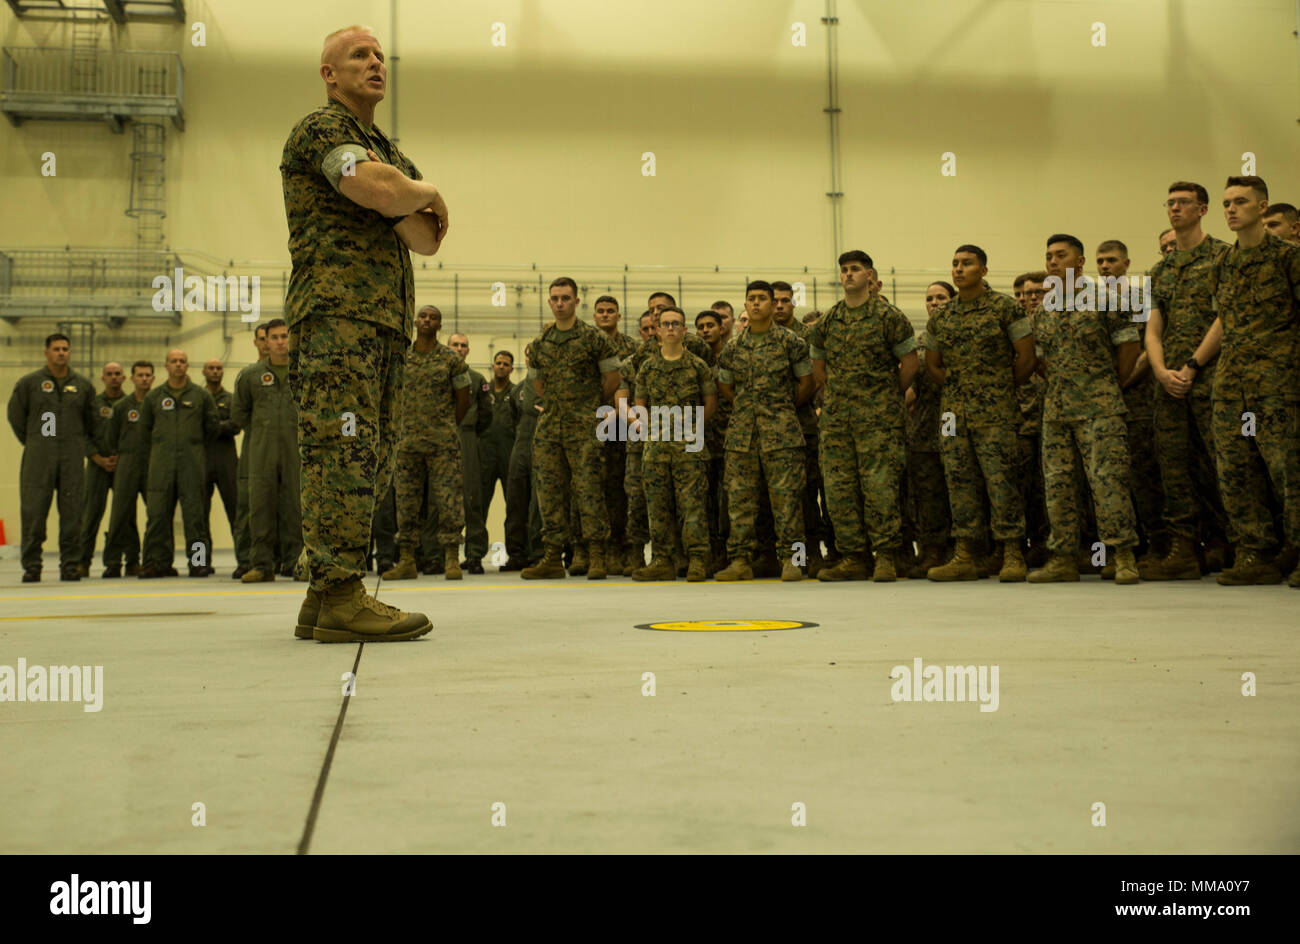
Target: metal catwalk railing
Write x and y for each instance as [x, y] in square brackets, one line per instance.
[68, 83]
[477, 298]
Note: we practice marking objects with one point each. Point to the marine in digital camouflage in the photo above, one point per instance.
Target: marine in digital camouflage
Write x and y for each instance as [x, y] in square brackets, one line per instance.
[350, 308]
[863, 425]
[1084, 411]
[1258, 297]
[1183, 284]
[927, 489]
[566, 453]
[676, 480]
[764, 439]
[430, 450]
[976, 339]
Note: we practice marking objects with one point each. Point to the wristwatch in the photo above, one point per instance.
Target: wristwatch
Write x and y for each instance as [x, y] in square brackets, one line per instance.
[1191, 362]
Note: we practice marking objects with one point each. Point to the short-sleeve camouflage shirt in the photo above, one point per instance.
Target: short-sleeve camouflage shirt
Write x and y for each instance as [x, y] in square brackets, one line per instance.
[1082, 382]
[1182, 288]
[571, 363]
[682, 383]
[862, 347]
[1259, 304]
[765, 370]
[428, 405]
[976, 339]
[348, 261]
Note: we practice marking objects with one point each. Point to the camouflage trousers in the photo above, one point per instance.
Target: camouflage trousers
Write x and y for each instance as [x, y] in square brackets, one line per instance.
[980, 461]
[637, 530]
[719, 520]
[813, 526]
[476, 536]
[346, 377]
[1029, 480]
[1184, 447]
[1247, 464]
[863, 463]
[444, 476]
[615, 471]
[784, 471]
[1102, 444]
[676, 486]
[1144, 470]
[927, 498]
[566, 462]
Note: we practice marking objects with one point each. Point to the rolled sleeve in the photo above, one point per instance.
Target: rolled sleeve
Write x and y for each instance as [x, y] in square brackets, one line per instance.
[816, 353]
[904, 347]
[724, 376]
[609, 363]
[1124, 335]
[1020, 328]
[462, 380]
[334, 162]
[803, 367]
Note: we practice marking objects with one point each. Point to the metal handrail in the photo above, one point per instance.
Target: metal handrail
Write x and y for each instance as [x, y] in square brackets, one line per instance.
[116, 74]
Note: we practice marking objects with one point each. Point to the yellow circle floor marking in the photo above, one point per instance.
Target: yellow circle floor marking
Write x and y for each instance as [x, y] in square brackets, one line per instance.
[725, 626]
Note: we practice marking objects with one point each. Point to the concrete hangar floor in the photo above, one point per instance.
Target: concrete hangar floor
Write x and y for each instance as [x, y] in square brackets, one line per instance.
[615, 716]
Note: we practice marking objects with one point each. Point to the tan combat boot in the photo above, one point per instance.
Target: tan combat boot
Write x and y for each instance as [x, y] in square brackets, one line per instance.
[578, 566]
[1250, 569]
[349, 614]
[697, 570]
[789, 572]
[258, 575]
[961, 567]
[659, 568]
[1013, 563]
[596, 561]
[1126, 568]
[550, 567]
[1179, 564]
[451, 566]
[738, 569]
[405, 568]
[885, 571]
[308, 613]
[849, 567]
[1062, 568]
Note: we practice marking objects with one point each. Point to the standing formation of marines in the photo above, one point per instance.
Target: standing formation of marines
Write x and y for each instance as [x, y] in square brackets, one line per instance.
[1048, 421]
